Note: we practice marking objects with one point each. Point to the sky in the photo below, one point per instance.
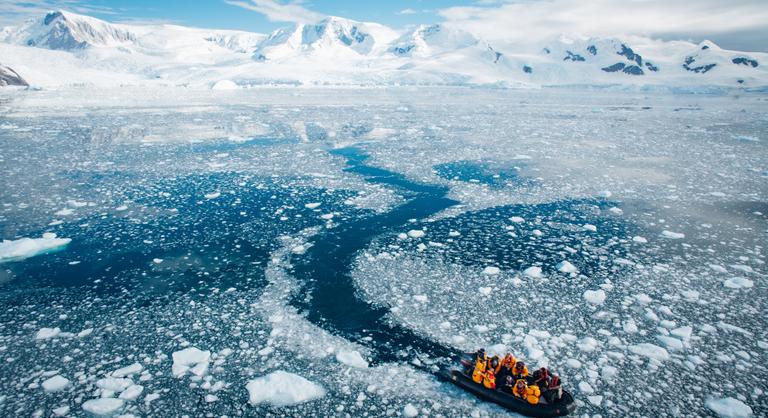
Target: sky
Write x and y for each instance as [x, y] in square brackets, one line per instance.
[733, 24]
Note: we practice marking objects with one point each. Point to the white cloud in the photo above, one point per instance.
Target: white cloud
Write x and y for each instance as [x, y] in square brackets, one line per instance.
[277, 11]
[531, 19]
[407, 11]
[12, 12]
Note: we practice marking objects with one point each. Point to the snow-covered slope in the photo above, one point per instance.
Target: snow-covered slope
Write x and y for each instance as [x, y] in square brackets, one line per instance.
[63, 48]
[8, 77]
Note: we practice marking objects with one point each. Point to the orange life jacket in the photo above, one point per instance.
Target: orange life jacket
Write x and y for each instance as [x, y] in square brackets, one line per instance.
[489, 380]
[531, 393]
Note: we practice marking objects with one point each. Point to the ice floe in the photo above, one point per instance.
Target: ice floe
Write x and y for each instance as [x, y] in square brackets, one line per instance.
[20, 249]
[281, 388]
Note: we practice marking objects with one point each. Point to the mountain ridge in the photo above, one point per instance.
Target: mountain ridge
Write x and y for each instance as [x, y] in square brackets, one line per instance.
[339, 51]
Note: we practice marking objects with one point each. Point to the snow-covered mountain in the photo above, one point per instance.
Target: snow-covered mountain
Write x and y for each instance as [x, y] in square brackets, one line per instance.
[63, 48]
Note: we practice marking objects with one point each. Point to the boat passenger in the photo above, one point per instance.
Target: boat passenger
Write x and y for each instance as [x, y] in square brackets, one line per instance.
[553, 392]
[489, 379]
[481, 364]
[507, 363]
[529, 393]
[541, 378]
[495, 364]
[508, 385]
[520, 371]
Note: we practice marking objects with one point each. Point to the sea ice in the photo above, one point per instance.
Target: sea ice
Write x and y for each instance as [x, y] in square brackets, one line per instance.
[15, 250]
[103, 406]
[281, 388]
[491, 270]
[55, 383]
[351, 358]
[410, 411]
[128, 370]
[672, 235]
[651, 351]
[415, 233]
[190, 360]
[534, 272]
[47, 333]
[595, 297]
[566, 267]
[738, 283]
[729, 407]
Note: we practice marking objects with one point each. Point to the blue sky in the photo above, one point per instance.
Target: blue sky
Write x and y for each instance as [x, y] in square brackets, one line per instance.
[733, 24]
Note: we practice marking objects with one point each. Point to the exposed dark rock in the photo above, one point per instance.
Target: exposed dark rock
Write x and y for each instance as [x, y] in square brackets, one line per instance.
[614, 68]
[570, 56]
[8, 77]
[701, 69]
[546, 50]
[627, 69]
[630, 54]
[705, 47]
[740, 81]
[651, 66]
[402, 50]
[527, 69]
[745, 61]
[592, 49]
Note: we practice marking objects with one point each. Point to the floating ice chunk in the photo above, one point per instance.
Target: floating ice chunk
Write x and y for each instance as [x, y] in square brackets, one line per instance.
[485, 291]
[590, 227]
[630, 326]
[55, 384]
[683, 333]
[61, 411]
[421, 298]
[410, 411]
[638, 239]
[84, 333]
[585, 387]
[212, 195]
[534, 272]
[114, 384]
[128, 370]
[566, 267]
[743, 267]
[454, 233]
[729, 407]
[672, 235]
[718, 268]
[157, 260]
[609, 372]
[517, 219]
[651, 351]
[588, 344]
[643, 299]
[670, 342]
[132, 392]
[573, 363]
[190, 360]
[121, 208]
[738, 283]
[313, 205]
[415, 233]
[103, 406]
[47, 333]
[281, 388]
[595, 297]
[616, 211]
[351, 358]
[491, 270]
[15, 250]
[595, 400]
[64, 212]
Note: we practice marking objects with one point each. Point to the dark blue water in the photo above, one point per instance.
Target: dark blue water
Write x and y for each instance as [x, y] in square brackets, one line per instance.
[481, 172]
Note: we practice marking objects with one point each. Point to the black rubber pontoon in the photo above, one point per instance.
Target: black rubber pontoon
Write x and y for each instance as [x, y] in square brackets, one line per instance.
[543, 410]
